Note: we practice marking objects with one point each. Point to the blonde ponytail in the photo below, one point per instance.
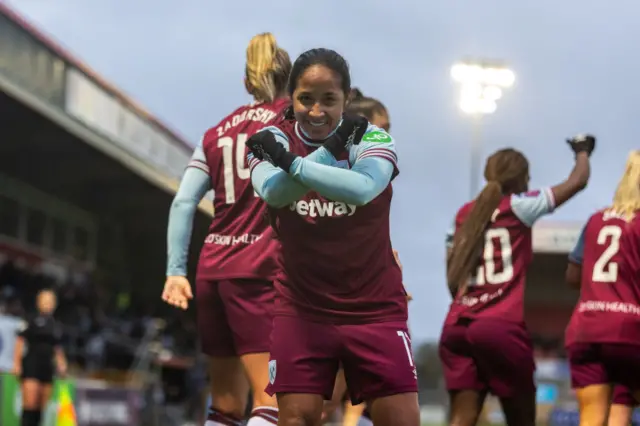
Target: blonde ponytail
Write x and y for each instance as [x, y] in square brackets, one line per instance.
[261, 55]
[626, 200]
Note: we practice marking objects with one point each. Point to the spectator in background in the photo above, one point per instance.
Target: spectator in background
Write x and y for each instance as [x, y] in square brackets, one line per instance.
[41, 337]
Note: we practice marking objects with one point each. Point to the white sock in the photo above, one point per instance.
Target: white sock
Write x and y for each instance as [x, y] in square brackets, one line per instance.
[263, 416]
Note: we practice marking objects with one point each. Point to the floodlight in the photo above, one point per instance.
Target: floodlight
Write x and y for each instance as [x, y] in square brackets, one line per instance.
[478, 106]
[481, 85]
[492, 92]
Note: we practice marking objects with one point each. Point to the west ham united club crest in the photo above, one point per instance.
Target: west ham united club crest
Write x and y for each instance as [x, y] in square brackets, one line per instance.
[272, 371]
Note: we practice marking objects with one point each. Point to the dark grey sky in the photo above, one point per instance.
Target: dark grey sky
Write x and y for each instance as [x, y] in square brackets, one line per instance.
[576, 66]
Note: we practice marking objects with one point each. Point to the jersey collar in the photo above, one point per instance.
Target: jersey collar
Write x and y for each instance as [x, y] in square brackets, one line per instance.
[300, 133]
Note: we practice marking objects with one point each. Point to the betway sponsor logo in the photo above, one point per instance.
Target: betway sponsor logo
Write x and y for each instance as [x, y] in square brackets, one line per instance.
[315, 208]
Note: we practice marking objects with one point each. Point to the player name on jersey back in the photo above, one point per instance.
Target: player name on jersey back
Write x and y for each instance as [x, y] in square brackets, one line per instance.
[260, 114]
[240, 243]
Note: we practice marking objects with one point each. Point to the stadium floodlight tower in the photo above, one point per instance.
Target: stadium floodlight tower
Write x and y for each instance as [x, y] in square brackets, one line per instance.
[480, 84]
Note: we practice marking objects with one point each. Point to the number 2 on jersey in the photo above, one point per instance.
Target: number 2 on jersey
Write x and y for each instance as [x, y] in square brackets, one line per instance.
[487, 273]
[226, 143]
[604, 270]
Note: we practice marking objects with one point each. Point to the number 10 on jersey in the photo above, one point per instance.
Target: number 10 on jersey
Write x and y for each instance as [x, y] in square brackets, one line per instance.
[487, 273]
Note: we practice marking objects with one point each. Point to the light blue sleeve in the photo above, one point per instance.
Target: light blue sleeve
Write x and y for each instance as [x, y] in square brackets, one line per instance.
[275, 186]
[531, 206]
[374, 165]
[365, 181]
[577, 254]
[194, 185]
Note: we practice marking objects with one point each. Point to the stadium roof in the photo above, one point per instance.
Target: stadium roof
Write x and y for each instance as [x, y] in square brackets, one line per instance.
[64, 54]
[555, 236]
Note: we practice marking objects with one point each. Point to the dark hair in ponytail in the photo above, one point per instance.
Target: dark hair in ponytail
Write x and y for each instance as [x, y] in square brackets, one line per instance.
[506, 172]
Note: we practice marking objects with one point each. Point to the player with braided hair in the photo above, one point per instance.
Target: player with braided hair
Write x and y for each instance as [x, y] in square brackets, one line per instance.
[484, 345]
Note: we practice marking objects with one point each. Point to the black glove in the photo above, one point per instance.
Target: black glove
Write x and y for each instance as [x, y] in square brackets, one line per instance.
[264, 146]
[350, 132]
[582, 143]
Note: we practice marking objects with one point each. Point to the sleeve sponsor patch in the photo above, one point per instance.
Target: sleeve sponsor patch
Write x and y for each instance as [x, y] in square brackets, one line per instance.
[377, 137]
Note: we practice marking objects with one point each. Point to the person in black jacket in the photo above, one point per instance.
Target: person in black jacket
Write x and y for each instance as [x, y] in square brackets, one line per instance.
[37, 347]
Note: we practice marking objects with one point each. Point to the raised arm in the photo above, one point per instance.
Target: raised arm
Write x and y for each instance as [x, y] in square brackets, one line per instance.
[531, 206]
[194, 185]
[582, 145]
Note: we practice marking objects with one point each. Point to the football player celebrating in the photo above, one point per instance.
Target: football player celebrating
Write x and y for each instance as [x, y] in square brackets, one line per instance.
[340, 300]
[604, 329]
[377, 114]
[485, 346]
[234, 282]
